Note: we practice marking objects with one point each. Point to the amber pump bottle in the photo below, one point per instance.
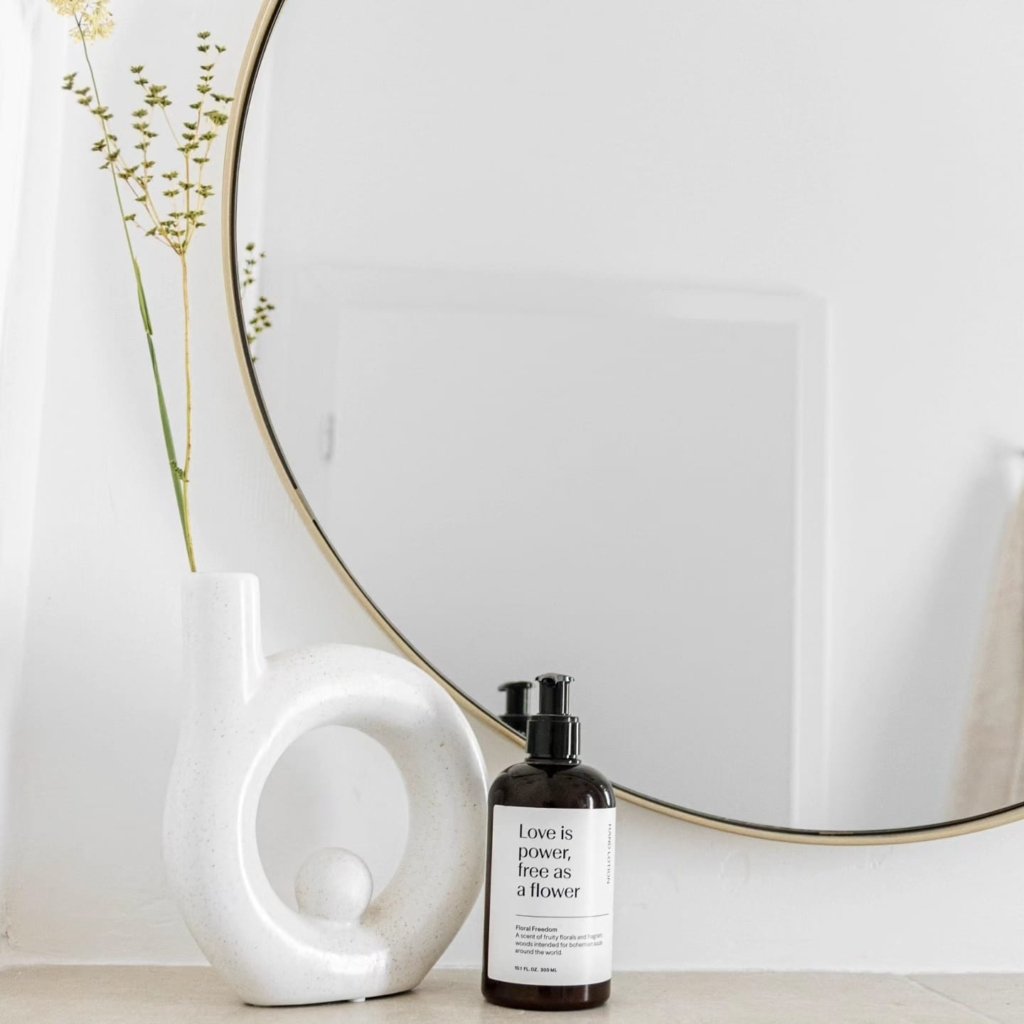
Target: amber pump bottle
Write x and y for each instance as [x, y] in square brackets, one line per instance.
[550, 870]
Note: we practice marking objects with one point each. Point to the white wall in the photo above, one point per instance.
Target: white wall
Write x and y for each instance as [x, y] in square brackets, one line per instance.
[99, 688]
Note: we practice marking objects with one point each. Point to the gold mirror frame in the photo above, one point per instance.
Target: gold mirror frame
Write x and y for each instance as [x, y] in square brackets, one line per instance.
[243, 95]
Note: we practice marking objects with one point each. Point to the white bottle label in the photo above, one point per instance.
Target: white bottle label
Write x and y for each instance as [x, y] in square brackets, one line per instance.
[552, 879]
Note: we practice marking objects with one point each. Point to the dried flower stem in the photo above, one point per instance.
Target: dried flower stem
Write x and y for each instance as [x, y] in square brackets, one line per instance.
[186, 470]
[147, 324]
[173, 213]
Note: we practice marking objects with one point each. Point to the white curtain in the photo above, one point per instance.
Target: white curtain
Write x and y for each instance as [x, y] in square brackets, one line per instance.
[991, 772]
[33, 44]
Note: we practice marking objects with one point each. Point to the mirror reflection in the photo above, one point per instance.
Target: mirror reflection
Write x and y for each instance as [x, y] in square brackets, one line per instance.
[655, 347]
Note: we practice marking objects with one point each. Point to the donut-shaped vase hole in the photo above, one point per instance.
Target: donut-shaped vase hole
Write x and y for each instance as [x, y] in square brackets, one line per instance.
[333, 788]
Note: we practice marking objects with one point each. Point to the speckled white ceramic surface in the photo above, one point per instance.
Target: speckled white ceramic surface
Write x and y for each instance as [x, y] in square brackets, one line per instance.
[243, 711]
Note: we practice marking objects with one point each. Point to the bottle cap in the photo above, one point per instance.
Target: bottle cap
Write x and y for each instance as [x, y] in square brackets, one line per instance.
[517, 703]
[553, 734]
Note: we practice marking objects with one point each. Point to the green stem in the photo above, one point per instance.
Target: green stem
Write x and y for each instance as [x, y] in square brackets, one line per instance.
[147, 324]
[186, 473]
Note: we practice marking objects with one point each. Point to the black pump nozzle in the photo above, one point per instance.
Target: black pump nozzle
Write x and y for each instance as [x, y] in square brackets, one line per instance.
[517, 703]
[553, 734]
[554, 694]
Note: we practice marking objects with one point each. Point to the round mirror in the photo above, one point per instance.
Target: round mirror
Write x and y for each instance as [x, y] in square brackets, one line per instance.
[675, 347]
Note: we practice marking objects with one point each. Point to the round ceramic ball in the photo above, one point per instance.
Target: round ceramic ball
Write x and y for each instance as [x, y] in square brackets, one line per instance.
[334, 884]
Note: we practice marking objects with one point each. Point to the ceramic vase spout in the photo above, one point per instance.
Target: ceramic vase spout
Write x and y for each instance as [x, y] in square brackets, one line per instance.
[222, 634]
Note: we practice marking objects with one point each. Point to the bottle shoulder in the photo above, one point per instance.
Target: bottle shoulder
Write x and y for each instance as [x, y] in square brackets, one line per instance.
[552, 784]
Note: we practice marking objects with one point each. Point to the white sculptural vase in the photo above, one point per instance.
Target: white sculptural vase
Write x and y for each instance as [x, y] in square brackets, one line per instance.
[243, 711]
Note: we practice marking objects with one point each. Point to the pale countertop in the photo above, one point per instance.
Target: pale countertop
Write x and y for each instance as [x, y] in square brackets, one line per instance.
[195, 995]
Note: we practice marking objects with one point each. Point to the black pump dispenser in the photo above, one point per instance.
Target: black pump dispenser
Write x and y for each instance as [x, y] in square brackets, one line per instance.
[517, 703]
[553, 734]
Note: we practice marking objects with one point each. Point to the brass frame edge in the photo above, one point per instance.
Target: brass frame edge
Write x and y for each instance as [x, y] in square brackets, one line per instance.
[269, 10]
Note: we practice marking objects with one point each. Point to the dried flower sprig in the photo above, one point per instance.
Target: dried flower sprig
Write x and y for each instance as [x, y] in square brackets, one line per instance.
[171, 203]
[259, 320]
[93, 19]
